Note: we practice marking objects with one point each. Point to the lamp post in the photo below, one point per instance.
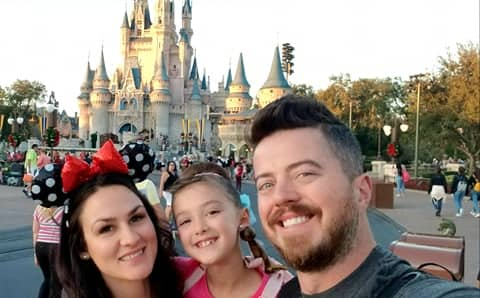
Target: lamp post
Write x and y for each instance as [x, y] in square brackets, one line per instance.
[52, 106]
[417, 120]
[393, 131]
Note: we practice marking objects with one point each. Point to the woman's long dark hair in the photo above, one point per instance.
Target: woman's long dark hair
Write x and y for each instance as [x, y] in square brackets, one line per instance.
[82, 278]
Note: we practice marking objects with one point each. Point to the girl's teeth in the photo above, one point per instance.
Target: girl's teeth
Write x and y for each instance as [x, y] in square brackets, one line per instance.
[294, 221]
[205, 243]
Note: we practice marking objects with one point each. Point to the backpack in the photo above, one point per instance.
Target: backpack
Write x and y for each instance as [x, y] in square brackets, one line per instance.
[462, 186]
[477, 187]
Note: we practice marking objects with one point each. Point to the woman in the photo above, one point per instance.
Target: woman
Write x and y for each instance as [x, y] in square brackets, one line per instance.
[169, 176]
[111, 244]
[474, 183]
[399, 179]
[47, 218]
[458, 189]
[438, 190]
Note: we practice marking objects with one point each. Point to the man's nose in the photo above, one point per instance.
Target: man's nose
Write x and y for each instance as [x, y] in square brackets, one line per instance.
[285, 192]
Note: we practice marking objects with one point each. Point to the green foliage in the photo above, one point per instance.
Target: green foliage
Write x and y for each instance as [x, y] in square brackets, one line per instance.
[304, 90]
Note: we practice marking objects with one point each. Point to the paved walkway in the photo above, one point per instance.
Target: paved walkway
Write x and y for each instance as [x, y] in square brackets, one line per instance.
[415, 212]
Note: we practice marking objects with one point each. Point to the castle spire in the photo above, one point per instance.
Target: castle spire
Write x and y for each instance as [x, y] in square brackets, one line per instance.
[125, 21]
[240, 77]
[276, 77]
[229, 79]
[194, 71]
[101, 72]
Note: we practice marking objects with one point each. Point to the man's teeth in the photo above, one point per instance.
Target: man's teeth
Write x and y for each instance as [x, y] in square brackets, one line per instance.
[205, 243]
[294, 221]
[134, 255]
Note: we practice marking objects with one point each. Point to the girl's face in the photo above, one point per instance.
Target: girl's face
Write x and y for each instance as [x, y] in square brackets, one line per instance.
[119, 235]
[171, 166]
[208, 223]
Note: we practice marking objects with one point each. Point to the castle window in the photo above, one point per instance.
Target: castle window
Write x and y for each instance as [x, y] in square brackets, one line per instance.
[134, 104]
[174, 66]
[123, 104]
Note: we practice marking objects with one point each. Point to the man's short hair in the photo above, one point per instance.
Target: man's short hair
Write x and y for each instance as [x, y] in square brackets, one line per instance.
[34, 146]
[293, 111]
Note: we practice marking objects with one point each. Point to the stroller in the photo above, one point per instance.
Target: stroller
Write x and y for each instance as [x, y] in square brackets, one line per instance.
[13, 176]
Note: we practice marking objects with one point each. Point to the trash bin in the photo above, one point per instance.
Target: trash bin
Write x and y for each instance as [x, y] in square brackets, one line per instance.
[382, 195]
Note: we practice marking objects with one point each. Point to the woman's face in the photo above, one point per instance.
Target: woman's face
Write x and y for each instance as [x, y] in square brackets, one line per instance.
[119, 235]
[171, 167]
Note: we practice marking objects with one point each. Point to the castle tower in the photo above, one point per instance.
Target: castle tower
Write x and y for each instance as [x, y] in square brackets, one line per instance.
[84, 104]
[187, 18]
[276, 85]
[160, 98]
[100, 98]
[124, 39]
[238, 99]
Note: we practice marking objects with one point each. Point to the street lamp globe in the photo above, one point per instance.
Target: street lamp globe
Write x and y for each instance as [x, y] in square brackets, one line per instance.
[403, 127]
[20, 120]
[50, 107]
[10, 120]
[387, 129]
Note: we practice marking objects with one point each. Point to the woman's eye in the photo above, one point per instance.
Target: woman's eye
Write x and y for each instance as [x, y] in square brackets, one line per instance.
[105, 229]
[137, 217]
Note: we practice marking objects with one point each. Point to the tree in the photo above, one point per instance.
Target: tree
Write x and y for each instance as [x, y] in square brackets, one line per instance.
[303, 90]
[449, 106]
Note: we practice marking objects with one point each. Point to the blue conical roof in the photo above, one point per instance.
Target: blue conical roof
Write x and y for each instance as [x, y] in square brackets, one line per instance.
[194, 71]
[204, 81]
[101, 72]
[187, 8]
[229, 79]
[240, 77]
[276, 79]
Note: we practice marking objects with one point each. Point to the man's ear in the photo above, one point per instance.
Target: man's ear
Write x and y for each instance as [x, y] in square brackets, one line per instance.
[362, 187]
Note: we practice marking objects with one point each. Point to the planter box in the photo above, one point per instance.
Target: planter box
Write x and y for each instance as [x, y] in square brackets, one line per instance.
[382, 195]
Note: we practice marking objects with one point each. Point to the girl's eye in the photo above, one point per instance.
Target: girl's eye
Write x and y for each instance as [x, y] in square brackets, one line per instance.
[213, 212]
[183, 222]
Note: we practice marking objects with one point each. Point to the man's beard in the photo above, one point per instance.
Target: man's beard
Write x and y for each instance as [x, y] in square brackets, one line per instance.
[336, 243]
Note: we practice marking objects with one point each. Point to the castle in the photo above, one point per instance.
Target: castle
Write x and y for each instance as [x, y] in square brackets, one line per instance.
[157, 88]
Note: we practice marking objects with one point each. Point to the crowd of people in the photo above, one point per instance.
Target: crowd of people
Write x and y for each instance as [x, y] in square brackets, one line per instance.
[106, 238]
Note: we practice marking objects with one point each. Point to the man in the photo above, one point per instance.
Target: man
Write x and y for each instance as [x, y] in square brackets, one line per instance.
[313, 199]
[30, 168]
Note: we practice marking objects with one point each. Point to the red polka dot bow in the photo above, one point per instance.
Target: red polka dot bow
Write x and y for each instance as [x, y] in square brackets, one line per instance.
[75, 172]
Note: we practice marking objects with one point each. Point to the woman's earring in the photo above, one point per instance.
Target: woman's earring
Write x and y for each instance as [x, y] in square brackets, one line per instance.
[84, 256]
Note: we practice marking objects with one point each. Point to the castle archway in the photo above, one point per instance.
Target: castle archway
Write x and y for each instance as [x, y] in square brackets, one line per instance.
[127, 127]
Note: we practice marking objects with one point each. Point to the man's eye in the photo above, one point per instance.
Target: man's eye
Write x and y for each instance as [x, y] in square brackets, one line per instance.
[264, 186]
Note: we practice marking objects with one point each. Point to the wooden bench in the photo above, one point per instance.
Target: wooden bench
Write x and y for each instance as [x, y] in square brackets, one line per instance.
[434, 240]
[418, 254]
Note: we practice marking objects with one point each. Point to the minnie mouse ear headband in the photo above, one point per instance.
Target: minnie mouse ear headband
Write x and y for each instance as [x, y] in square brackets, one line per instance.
[140, 160]
[47, 186]
[76, 172]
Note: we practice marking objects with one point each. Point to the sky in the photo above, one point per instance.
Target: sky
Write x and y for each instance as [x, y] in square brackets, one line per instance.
[51, 40]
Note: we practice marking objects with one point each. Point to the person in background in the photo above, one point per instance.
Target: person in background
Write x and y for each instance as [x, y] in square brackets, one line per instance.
[238, 176]
[438, 190]
[30, 167]
[313, 198]
[458, 189]
[168, 177]
[399, 179]
[211, 220]
[42, 159]
[140, 158]
[111, 243]
[474, 186]
[57, 159]
[47, 219]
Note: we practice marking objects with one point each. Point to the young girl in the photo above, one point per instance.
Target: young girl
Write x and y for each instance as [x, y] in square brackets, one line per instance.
[111, 243]
[210, 222]
[46, 227]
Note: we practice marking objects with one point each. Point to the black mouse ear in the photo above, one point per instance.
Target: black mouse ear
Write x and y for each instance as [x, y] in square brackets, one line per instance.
[47, 186]
[139, 158]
